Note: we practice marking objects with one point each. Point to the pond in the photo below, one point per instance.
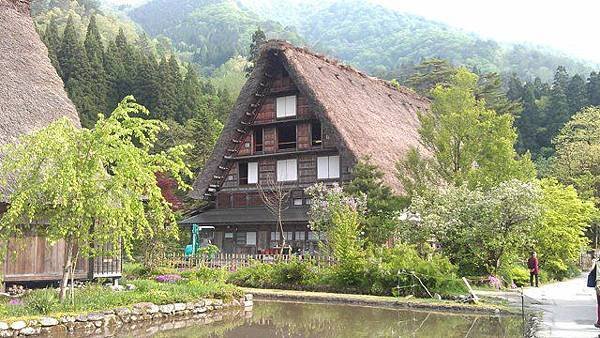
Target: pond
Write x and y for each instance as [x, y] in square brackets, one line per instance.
[293, 319]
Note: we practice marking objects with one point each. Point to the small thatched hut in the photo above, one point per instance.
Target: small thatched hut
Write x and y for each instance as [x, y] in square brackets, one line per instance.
[31, 97]
[301, 118]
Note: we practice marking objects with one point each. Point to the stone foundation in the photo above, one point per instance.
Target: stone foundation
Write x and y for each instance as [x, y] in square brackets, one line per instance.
[141, 315]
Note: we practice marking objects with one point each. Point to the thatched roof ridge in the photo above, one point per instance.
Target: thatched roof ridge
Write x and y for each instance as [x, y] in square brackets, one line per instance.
[370, 116]
[31, 92]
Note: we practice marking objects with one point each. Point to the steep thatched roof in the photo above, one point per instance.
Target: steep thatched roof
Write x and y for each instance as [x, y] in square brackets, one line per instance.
[370, 116]
[31, 92]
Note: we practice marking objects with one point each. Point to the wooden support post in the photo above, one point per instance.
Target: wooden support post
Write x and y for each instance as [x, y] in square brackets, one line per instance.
[470, 289]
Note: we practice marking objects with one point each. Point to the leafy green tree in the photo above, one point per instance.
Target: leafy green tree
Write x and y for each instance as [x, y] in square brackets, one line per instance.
[565, 216]
[577, 158]
[464, 141]
[258, 39]
[95, 189]
[383, 207]
[480, 231]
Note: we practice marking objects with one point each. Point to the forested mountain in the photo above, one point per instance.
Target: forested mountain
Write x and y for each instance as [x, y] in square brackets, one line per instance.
[379, 40]
[208, 32]
[187, 59]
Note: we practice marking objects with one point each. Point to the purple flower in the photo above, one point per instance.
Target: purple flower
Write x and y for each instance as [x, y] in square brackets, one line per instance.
[168, 278]
[494, 282]
[15, 301]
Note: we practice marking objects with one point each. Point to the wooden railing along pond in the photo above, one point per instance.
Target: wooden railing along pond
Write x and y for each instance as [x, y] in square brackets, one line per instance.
[235, 261]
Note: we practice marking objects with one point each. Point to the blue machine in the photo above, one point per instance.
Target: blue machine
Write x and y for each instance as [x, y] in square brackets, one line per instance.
[202, 236]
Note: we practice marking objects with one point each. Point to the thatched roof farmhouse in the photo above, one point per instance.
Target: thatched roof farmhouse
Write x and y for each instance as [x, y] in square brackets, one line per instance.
[31, 92]
[301, 118]
[369, 116]
[31, 97]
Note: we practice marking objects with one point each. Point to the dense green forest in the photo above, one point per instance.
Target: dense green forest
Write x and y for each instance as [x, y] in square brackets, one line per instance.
[188, 61]
[378, 40]
[100, 68]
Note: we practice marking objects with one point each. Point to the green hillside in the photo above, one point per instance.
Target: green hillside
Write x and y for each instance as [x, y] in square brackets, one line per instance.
[379, 40]
[209, 32]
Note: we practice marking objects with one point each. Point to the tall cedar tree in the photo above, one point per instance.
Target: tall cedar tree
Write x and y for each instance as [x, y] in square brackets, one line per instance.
[167, 100]
[593, 89]
[98, 85]
[258, 38]
[53, 43]
[71, 51]
[379, 222]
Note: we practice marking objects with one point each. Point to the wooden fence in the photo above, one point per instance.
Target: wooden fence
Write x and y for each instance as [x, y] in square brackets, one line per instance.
[235, 261]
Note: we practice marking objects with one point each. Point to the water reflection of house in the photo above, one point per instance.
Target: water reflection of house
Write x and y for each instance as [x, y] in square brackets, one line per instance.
[31, 97]
[300, 118]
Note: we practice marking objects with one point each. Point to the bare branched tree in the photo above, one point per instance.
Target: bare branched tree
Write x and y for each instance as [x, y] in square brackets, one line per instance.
[276, 197]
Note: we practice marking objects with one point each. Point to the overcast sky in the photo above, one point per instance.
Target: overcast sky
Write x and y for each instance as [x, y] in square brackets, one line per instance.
[571, 26]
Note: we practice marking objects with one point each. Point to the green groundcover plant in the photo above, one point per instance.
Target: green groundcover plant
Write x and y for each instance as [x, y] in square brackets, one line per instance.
[95, 297]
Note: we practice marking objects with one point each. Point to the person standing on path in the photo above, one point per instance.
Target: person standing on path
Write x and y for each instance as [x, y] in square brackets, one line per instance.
[596, 276]
[534, 269]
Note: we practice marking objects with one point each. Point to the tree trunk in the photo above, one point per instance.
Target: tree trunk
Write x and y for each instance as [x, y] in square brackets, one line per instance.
[66, 270]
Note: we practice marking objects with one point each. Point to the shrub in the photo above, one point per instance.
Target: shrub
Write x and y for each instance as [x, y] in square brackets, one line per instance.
[257, 275]
[400, 270]
[41, 301]
[206, 274]
[517, 275]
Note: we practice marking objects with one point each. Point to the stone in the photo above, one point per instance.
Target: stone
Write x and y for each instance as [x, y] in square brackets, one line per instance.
[92, 317]
[98, 323]
[81, 318]
[28, 331]
[129, 287]
[200, 303]
[437, 296]
[67, 319]
[48, 321]
[218, 302]
[110, 320]
[208, 302]
[168, 308]
[6, 333]
[200, 310]
[122, 311]
[177, 307]
[248, 303]
[117, 288]
[55, 331]
[146, 307]
[18, 325]
[3, 326]
[190, 306]
[248, 296]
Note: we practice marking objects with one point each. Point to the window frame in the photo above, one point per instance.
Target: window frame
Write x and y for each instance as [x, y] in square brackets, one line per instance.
[287, 166]
[261, 131]
[285, 101]
[329, 176]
